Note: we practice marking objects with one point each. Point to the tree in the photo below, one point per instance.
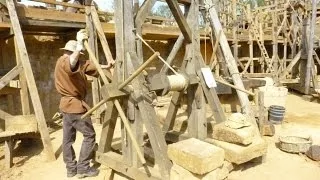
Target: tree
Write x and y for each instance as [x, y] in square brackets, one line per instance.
[162, 10]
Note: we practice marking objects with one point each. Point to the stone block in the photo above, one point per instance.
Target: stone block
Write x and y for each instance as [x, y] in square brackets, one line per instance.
[267, 129]
[196, 156]
[314, 152]
[179, 173]
[239, 154]
[221, 132]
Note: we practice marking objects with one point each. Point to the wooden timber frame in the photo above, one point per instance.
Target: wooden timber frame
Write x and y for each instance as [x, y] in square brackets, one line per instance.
[129, 97]
[27, 83]
[283, 32]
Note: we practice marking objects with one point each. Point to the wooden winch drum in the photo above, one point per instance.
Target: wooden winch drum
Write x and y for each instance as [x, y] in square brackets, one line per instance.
[177, 82]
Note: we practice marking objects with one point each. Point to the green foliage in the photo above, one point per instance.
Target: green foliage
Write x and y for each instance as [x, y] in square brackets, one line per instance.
[162, 10]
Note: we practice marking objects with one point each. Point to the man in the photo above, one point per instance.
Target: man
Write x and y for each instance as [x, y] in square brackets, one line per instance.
[71, 83]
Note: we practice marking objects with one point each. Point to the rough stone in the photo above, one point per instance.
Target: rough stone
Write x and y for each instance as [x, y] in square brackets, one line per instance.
[196, 156]
[239, 154]
[220, 132]
[267, 129]
[179, 173]
[314, 152]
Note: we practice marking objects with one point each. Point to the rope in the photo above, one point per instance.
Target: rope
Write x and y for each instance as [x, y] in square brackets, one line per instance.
[164, 61]
[177, 82]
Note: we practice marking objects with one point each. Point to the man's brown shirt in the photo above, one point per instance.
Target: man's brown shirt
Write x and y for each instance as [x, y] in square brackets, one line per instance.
[72, 84]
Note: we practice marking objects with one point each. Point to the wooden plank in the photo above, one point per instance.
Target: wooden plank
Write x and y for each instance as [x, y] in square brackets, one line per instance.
[139, 20]
[24, 96]
[30, 81]
[8, 147]
[10, 75]
[175, 49]
[152, 125]
[36, 13]
[120, 111]
[275, 58]
[261, 109]
[94, 47]
[195, 97]
[21, 124]
[310, 47]
[172, 111]
[291, 65]
[235, 33]
[60, 3]
[49, 25]
[10, 104]
[117, 163]
[181, 20]
[108, 127]
[102, 37]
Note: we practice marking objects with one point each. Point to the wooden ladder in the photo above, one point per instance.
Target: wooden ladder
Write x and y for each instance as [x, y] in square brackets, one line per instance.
[256, 34]
[25, 67]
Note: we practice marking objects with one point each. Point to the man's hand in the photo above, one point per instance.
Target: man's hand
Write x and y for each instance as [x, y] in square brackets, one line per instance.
[81, 36]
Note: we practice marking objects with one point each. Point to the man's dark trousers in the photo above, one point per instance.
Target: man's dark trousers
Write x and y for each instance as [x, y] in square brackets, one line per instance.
[71, 124]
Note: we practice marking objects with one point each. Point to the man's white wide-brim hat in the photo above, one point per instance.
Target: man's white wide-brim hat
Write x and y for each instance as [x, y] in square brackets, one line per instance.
[71, 46]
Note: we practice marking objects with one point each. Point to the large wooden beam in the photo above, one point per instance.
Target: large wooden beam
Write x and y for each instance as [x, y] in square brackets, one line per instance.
[181, 20]
[24, 58]
[24, 96]
[102, 37]
[117, 163]
[310, 46]
[149, 117]
[230, 60]
[290, 66]
[10, 75]
[35, 13]
[141, 16]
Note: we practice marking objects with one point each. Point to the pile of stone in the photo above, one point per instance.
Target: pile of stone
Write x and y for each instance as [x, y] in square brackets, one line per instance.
[194, 159]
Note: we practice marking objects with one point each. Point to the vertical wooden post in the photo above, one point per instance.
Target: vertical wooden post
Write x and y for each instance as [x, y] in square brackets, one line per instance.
[8, 152]
[24, 96]
[310, 47]
[295, 26]
[30, 81]
[262, 41]
[196, 102]
[275, 41]
[142, 14]
[250, 41]
[93, 45]
[125, 42]
[235, 31]
[304, 53]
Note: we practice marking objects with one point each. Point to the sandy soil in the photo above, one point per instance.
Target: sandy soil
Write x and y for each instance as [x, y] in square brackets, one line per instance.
[302, 118]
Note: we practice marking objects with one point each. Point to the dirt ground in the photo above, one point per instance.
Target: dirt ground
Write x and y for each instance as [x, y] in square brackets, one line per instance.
[302, 118]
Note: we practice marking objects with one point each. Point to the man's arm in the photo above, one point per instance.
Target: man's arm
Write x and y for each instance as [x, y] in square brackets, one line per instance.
[74, 57]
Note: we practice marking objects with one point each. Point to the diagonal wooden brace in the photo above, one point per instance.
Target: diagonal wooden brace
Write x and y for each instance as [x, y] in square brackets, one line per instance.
[116, 103]
[122, 85]
[10, 75]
